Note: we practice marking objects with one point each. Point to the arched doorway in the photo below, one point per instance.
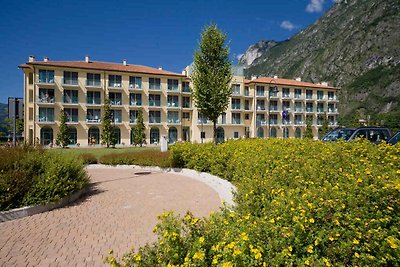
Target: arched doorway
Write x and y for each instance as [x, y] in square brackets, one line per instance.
[154, 135]
[273, 132]
[172, 135]
[73, 135]
[298, 133]
[93, 136]
[286, 132]
[117, 136]
[220, 135]
[46, 136]
[260, 132]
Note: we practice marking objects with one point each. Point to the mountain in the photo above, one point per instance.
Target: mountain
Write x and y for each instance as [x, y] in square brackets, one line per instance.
[354, 46]
[255, 51]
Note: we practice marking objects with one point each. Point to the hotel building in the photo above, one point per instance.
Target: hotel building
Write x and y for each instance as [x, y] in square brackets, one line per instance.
[261, 107]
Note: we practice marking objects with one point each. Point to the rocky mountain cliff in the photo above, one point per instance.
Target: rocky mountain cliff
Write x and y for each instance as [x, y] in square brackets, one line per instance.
[355, 46]
[255, 51]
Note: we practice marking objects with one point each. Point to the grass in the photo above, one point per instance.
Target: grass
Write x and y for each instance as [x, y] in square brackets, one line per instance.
[101, 151]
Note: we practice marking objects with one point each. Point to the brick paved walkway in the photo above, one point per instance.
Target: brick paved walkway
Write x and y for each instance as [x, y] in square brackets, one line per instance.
[119, 213]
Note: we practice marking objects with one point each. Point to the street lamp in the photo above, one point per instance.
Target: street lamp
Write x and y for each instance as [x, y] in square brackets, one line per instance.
[273, 89]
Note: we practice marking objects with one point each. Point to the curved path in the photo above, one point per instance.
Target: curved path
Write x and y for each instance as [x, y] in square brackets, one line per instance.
[119, 212]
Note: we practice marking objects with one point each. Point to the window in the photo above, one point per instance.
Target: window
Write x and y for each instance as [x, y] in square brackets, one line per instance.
[30, 98]
[114, 80]
[93, 79]
[236, 89]
[155, 83]
[309, 94]
[30, 78]
[202, 118]
[116, 116]
[298, 106]
[173, 117]
[297, 93]
[273, 105]
[115, 98]
[135, 99]
[236, 118]
[154, 100]
[260, 105]
[154, 136]
[93, 115]
[173, 85]
[93, 98]
[185, 87]
[72, 114]
[273, 91]
[260, 90]
[260, 119]
[235, 103]
[133, 114]
[70, 78]
[154, 116]
[223, 118]
[298, 119]
[46, 95]
[286, 105]
[46, 115]
[46, 76]
[203, 135]
[331, 95]
[320, 95]
[186, 115]
[246, 116]
[285, 92]
[173, 101]
[247, 105]
[320, 107]
[71, 96]
[135, 82]
[186, 102]
[246, 91]
[30, 114]
[331, 108]
[309, 107]
[273, 119]
[73, 135]
[235, 135]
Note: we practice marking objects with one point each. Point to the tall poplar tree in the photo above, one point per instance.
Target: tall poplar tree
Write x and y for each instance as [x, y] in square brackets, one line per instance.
[107, 131]
[139, 136]
[63, 135]
[212, 75]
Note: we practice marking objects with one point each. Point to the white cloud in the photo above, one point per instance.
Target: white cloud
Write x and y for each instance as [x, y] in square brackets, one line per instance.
[287, 25]
[315, 6]
[239, 56]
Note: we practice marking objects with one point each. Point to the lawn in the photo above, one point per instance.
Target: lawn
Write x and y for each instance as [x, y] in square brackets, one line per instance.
[100, 151]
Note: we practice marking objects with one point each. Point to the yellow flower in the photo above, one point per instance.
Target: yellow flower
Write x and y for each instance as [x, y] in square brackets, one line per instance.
[272, 220]
[199, 255]
[137, 257]
[227, 264]
[310, 249]
[244, 237]
[356, 255]
[312, 220]
[201, 240]
[356, 242]
[307, 262]
[393, 242]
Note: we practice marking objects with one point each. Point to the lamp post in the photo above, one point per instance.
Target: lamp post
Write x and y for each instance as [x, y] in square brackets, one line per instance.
[274, 89]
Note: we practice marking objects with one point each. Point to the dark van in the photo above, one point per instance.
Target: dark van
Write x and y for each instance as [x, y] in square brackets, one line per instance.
[374, 134]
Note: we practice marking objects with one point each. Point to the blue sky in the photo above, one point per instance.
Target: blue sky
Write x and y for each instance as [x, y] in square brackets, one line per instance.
[152, 33]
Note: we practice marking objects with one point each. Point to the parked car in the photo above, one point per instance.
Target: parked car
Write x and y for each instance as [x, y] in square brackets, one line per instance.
[394, 139]
[374, 134]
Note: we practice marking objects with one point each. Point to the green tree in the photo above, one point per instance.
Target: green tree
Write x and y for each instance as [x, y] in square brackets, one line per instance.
[212, 75]
[63, 136]
[139, 136]
[325, 126]
[308, 133]
[107, 131]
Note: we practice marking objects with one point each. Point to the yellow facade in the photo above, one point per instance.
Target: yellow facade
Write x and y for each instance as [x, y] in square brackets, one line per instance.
[50, 88]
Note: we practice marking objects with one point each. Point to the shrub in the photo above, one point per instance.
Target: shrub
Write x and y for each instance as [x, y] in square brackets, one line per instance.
[31, 176]
[299, 203]
[88, 158]
[143, 158]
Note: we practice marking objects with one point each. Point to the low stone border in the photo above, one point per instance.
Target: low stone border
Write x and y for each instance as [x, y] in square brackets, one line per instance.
[223, 187]
[18, 213]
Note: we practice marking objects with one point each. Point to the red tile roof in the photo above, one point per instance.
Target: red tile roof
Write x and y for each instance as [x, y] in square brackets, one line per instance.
[102, 66]
[288, 82]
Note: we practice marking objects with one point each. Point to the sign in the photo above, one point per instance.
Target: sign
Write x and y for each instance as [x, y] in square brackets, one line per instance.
[15, 107]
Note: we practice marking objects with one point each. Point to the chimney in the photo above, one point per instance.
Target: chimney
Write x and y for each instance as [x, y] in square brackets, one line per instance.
[184, 72]
[31, 59]
[253, 77]
[46, 59]
[298, 79]
[160, 68]
[324, 83]
[124, 62]
[87, 59]
[275, 77]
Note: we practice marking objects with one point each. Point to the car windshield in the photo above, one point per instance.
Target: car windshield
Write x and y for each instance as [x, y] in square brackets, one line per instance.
[395, 139]
[338, 134]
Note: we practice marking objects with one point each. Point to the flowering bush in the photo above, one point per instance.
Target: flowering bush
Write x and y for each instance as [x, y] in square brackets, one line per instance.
[299, 203]
[143, 158]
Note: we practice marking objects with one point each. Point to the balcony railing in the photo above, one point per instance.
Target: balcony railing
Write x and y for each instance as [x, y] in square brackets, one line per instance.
[173, 104]
[235, 106]
[93, 119]
[132, 120]
[67, 81]
[154, 103]
[45, 118]
[46, 99]
[135, 103]
[186, 89]
[135, 86]
[155, 120]
[93, 83]
[46, 80]
[72, 118]
[173, 88]
[70, 100]
[173, 120]
[93, 101]
[260, 107]
[115, 85]
[116, 102]
[117, 120]
[236, 121]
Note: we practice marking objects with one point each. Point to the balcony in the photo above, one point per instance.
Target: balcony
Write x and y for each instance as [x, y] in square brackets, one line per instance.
[299, 123]
[309, 110]
[117, 119]
[173, 121]
[154, 120]
[273, 108]
[186, 89]
[332, 110]
[135, 86]
[298, 109]
[93, 119]
[73, 119]
[70, 82]
[45, 119]
[173, 88]
[297, 96]
[132, 120]
[114, 85]
[70, 100]
[44, 81]
[93, 83]
[93, 101]
[260, 108]
[155, 87]
[320, 110]
[173, 104]
[115, 102]
[135, 103]
[154, 103]
[45, 100]
[236, 121]
[235, 107]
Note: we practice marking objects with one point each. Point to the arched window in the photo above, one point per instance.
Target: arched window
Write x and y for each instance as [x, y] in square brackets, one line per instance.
[46, 136]
[154, 135]
[73, 136]
[93, 136]
[172, 135]
[117, 135]
[260, 132]
[273, 132]
[220, 135]
[298, 132]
